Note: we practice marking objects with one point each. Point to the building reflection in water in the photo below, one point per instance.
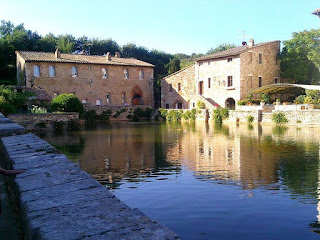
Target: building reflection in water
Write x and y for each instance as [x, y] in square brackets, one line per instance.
[251, 158]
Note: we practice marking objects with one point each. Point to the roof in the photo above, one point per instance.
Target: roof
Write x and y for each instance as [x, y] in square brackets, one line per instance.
[30, 56]
[285, 88]
[181, 70]
[232, 51]
[40, 94]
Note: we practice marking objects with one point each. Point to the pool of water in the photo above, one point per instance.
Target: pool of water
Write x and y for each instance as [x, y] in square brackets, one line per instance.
[206, 181]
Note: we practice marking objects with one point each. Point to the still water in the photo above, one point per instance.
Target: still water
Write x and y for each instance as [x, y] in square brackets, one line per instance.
[206, 181]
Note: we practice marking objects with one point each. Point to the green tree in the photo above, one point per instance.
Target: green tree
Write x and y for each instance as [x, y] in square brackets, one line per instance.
[173, 65]
[66, 43]
[48, 43]
[300, 57]
[220, 48]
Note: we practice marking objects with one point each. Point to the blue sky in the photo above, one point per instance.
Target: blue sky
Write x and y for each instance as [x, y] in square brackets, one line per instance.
[173, 26]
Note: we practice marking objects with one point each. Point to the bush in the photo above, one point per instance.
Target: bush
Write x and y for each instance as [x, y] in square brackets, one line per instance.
[242, 102]
[67, 103]
[173, 115]
[250, 119]
[105, 116]
[279, 118]
[73, 125]
[148, 113]
[90, 116]
[193, 114]
[217, 117]
[163, 112]
[186, 115]
[201, 105]
[265, 97]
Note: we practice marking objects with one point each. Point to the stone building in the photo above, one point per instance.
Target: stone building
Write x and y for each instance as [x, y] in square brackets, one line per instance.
[223, 78]
[96, 80]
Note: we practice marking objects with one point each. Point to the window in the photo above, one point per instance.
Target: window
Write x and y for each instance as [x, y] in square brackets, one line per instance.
[52, 71]
[36, 71]
[170, 87]
[167, 106]
[276, 80]
[179, 86]
[108, 98]
[141, 75]
[260, 58]
[209, 82]
[260, 81]
[55, 94]
[126, 74]
[193, 105]
[124, 98]
[104, 73]
[229, 60]
[84, 101]
[74, 72]
[230, 81]
[98, 102]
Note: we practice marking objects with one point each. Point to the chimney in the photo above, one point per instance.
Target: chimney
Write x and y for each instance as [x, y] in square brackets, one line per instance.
[108, 56]
[57, 54]
[117, 55]
[251, 43]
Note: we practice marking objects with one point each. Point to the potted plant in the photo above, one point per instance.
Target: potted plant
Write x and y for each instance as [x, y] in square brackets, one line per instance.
[278, 101]
[265, 98]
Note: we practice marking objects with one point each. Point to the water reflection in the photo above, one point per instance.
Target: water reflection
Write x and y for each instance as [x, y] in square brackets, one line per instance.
[273, 160]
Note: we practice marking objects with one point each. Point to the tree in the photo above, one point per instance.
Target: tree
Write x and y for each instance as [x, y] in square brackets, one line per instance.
[66, 43]
[48, 43]
[300, 57]
[173, 65]
[220, 48]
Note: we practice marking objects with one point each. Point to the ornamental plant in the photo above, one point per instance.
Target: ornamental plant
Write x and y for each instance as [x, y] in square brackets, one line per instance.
[67, 103]
[279, 118]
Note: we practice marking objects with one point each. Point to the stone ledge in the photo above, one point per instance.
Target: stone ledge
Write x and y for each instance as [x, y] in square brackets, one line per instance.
[59, 201]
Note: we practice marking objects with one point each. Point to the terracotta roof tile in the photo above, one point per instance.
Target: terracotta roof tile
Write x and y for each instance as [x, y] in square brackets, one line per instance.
[232, 51]
[40, 94]
[83, 59]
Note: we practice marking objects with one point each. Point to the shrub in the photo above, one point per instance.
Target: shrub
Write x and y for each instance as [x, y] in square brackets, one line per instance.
[90, 116]
[220, 114]
[105, 116]
[148, 113]
[186, 115]
[299, 99]
[163, 112]
[201, 105]
[193, 114]
[173, 115]
[242, 102]
[73, 125]
[67, 103]
[265, 97]
[279, 118]
[250, 119]
[37, 109]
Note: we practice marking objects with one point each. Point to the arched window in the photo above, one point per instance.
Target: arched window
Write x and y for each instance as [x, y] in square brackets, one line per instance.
[98, 102]
[126, 74]
[141, 75]
[36, 71]
[104, 73]
[74, 72]
[84, 101]
[52, 71]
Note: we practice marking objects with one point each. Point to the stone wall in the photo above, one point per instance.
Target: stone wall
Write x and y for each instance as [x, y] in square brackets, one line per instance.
[123, 110]
[55, 199]
[90, 84]
[185, 95]
[251, 69]
[34, 121]
[293, 117]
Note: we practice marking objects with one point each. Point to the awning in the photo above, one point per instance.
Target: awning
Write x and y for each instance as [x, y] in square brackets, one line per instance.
[286, 88]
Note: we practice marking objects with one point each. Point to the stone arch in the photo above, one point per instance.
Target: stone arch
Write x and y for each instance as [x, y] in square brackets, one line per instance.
[178, 104]
[136, 95]
[230, 103]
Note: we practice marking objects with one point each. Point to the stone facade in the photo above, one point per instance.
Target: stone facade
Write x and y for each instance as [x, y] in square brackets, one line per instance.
[97, 81]
[223, 78]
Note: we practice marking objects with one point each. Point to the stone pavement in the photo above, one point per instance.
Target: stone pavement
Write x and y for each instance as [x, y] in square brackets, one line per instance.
[58, 200]
[7, 127]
